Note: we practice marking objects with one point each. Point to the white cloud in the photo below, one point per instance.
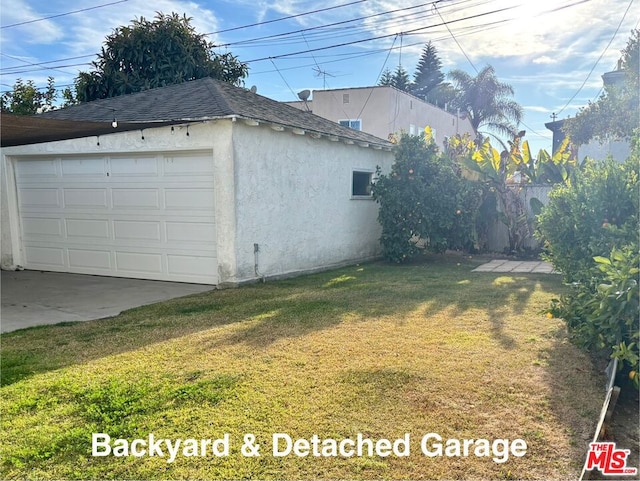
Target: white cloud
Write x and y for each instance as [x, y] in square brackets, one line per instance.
[14, 37]
[537, 108]
[544, 59]
[87, 34]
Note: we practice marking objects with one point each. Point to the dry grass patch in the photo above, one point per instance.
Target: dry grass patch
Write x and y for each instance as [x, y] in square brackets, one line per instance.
[375, 349]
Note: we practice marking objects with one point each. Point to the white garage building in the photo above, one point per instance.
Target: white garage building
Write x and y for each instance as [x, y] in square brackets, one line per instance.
[199, 182]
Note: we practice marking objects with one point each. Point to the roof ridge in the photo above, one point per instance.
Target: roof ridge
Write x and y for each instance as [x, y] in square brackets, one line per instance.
[203, 99]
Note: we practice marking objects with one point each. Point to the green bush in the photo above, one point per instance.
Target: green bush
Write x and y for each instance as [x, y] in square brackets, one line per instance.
[425, 204]
[596, 211]
[603, 314]
[590, 232]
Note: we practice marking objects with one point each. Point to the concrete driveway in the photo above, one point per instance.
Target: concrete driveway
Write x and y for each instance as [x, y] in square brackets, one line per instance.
[32, 298]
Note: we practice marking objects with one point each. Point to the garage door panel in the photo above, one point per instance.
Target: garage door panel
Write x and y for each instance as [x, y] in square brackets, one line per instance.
[196, 199]
[90, 259]
[90, 198]
[134, 166]
[188, 165]
[192, 265]
[84, 167]
[201, 232]
[37, 227]
[44, 256]
[83, 228]
[139, 262]
[47, 198]
[131, 215]
[37, 169]
[134, 198]
[134, 229]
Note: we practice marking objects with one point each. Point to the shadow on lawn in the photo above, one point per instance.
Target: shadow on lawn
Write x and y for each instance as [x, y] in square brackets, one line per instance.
[288, 308]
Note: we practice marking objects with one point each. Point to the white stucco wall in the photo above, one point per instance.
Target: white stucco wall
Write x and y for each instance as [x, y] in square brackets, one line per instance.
[293, 199]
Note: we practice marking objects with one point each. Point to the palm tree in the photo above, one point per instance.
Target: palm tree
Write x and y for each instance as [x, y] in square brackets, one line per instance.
[487, 102]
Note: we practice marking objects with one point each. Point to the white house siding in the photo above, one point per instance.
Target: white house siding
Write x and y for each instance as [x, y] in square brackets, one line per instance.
[293, 199]
[120, 237]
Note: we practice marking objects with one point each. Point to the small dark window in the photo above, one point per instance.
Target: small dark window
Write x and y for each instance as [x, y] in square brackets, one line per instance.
[355, 124]
[361, 185]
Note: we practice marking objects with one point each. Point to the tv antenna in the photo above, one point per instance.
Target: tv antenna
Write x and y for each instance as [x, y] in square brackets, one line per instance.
[324, 74]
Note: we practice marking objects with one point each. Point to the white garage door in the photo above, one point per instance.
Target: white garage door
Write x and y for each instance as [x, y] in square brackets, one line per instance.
[140, 215]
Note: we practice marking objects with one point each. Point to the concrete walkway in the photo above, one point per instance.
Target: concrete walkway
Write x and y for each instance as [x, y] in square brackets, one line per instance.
[501, 265]
[33, 298]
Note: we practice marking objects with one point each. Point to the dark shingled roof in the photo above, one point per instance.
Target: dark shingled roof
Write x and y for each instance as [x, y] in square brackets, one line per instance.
[204, 99]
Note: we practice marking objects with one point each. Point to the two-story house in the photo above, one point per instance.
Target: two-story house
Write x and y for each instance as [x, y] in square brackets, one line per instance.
[384, 111]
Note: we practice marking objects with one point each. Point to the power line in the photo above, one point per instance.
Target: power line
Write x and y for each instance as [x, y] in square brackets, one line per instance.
[31, 63]
[12, 70]
[283, 79]
[454, 37]
[599, 58]
[379, 75]
[63, 14]
[379, 37]
[18, 70]
[309, 29]
[469, 30]
[284, 18]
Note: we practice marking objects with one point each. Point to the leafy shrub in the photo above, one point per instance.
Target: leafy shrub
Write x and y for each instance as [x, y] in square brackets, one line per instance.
[604, 314]
[589, 216]
[595, 218]
[425, 204]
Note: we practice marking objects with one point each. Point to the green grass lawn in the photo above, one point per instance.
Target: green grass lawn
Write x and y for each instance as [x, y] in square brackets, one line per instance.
[376, 349]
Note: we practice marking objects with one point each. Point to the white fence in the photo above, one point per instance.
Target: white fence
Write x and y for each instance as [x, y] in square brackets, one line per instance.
[498, 236]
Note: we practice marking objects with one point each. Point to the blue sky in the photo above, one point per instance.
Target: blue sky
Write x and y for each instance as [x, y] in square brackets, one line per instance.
[553, 52]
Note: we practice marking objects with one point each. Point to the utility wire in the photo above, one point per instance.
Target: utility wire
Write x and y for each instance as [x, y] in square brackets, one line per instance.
[599, 58]
[379, 37]
[309, 29]
[379, 75]
[33, 64]
[12, 69]
[284, 18]
[63, 14]
[283, 79]
[454, 37]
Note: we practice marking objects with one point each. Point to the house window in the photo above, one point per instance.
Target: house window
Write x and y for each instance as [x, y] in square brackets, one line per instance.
[361, 183]
[345, 98]
[355, 124]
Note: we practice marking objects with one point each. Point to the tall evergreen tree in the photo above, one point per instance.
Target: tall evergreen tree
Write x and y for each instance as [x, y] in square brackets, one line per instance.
[401, 80]
[398, 79]
[428, 73]
[386, 78]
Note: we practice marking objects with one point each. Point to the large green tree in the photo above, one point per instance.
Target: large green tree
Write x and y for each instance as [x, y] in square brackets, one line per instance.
[428, 74]
[488, 102]
[616, 113]
[154, 53]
